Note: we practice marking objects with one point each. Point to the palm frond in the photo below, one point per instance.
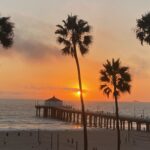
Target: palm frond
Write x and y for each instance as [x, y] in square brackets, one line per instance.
[63, 40]
[6, 32]
[104, 77]
[6, 41]
[83, 48]
[107, 91]
[116, 76]
[143, 29]
[82, 23]
[62, 32]
[115, 64]
[66, 50]
[103, 86]
[83, 27]
[124, 87]
[140, 36]
[71, 22]
[108, 67]
[72, 32]
[123, 69]
[126, 77]
[65, 23]
[86, 29]
[60, 26]
[147, 39]
[87, 40]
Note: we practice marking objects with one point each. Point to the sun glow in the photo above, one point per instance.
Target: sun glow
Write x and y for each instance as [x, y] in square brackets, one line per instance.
[78, 93]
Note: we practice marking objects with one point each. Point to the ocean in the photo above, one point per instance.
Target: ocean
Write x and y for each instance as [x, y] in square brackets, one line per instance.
[20, 114]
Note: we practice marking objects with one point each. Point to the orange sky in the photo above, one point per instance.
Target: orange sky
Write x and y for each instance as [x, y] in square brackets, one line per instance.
[34, 67]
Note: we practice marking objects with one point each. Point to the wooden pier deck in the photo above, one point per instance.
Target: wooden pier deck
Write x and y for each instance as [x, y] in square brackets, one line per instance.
[94, 119]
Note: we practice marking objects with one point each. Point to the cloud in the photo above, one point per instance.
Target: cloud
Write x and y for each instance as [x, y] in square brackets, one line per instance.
[34, 49]
[33, 39]
[54, 88]
[139, 66]
[6, 92]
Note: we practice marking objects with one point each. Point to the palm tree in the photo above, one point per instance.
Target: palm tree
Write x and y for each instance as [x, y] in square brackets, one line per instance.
[143, 29]
[115, 79]
[74, 34]
[6, 32]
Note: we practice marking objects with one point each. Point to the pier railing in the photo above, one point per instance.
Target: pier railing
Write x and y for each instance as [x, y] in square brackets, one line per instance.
[94, 119]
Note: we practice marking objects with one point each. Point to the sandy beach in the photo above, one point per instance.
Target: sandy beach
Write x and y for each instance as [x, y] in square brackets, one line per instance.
[99, 139]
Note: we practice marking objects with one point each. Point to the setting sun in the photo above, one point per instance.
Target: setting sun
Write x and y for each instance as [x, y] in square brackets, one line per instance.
[78, 93]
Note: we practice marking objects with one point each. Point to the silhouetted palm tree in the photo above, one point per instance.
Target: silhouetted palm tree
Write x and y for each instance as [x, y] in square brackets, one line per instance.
[143, 29]
[74, 34]
[6, 32]
[115, 79]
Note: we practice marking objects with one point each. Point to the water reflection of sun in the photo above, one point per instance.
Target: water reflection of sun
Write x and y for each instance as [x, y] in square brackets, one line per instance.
[77, 126]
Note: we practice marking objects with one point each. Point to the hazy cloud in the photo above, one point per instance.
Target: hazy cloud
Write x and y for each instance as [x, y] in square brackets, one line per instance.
[6, 92]
[34, 49]
[33, 39]
[53, 88]
[139, 66]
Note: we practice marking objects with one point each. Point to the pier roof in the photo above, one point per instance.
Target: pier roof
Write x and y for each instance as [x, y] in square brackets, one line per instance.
[53, 99]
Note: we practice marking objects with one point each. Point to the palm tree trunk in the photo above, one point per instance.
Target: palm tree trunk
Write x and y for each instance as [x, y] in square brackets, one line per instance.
[117, 120]
[84, 121]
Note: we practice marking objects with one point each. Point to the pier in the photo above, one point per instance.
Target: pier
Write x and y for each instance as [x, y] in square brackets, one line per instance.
[94, 119]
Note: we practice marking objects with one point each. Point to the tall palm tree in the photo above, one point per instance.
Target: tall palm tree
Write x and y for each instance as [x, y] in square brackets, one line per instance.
[6, 32]
[74, 34]
[143, 29]
[115, 79]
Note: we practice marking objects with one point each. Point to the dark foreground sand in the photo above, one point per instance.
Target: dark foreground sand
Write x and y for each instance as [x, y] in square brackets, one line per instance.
[99, 139]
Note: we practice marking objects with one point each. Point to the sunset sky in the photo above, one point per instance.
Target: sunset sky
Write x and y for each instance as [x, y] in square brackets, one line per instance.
[34, 67]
